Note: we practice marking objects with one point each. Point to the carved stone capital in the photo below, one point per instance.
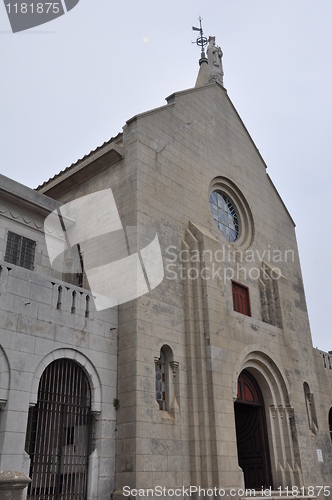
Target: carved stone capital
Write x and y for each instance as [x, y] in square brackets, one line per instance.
[273, 411]
[281, 409]
[174, 365]
[290, 411]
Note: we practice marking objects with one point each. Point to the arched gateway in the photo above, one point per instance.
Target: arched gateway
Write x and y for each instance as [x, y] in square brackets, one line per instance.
[265, 425]
[58, 434]
[251, 433]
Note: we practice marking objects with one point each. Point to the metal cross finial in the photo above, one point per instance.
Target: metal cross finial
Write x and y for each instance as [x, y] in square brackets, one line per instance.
[201, 40]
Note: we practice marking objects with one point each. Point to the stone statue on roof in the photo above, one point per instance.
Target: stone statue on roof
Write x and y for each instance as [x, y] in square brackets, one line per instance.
[214, 54]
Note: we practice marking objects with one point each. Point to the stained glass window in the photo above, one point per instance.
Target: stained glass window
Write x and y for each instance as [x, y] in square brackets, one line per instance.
[224, 215]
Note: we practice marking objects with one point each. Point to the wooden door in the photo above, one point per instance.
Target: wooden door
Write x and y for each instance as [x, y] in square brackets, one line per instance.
[252, 442]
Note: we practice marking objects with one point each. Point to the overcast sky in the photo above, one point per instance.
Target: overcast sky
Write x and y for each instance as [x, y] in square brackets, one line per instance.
[69, 85]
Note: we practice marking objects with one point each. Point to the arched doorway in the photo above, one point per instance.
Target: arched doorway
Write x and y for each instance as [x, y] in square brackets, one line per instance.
[251, 434]
[58, 434]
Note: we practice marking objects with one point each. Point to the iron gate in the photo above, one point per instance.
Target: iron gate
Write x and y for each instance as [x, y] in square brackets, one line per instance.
[58, 434]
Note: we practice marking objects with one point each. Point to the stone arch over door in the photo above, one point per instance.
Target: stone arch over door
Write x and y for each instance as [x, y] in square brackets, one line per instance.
[58, 438]
[281, 429]
[251, 433]
[95, 392]
[81, 360]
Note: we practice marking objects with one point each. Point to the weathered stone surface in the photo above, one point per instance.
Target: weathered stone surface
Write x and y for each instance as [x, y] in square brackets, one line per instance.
[12, 484]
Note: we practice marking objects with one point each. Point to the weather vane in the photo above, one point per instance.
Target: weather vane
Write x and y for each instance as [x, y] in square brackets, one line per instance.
[201, 40]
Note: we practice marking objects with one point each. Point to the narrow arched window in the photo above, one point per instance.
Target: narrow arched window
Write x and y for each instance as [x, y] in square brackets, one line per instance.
[167, 382]
[311, 409]
[161, 380]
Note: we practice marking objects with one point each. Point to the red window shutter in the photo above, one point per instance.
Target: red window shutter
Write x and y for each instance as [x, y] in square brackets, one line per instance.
[241, 301]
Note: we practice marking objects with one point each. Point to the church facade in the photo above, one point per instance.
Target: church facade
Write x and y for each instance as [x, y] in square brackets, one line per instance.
[205, 377]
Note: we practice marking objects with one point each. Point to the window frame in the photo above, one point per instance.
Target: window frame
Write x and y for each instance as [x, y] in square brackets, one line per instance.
[246, 288]
[161, 384]
[168, 384]
[223, 223]
[20, 253]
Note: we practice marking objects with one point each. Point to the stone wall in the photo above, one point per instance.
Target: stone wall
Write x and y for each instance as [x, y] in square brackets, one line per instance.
[34, 331]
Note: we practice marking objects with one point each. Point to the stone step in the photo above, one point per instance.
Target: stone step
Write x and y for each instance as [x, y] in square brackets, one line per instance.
[280, 497]
[277, 495]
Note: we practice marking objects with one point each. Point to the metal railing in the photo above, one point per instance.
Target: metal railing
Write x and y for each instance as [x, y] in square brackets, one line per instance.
[58, 434]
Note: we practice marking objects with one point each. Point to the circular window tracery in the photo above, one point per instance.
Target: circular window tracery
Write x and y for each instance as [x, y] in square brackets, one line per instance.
[225, 215]
[231, 212]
